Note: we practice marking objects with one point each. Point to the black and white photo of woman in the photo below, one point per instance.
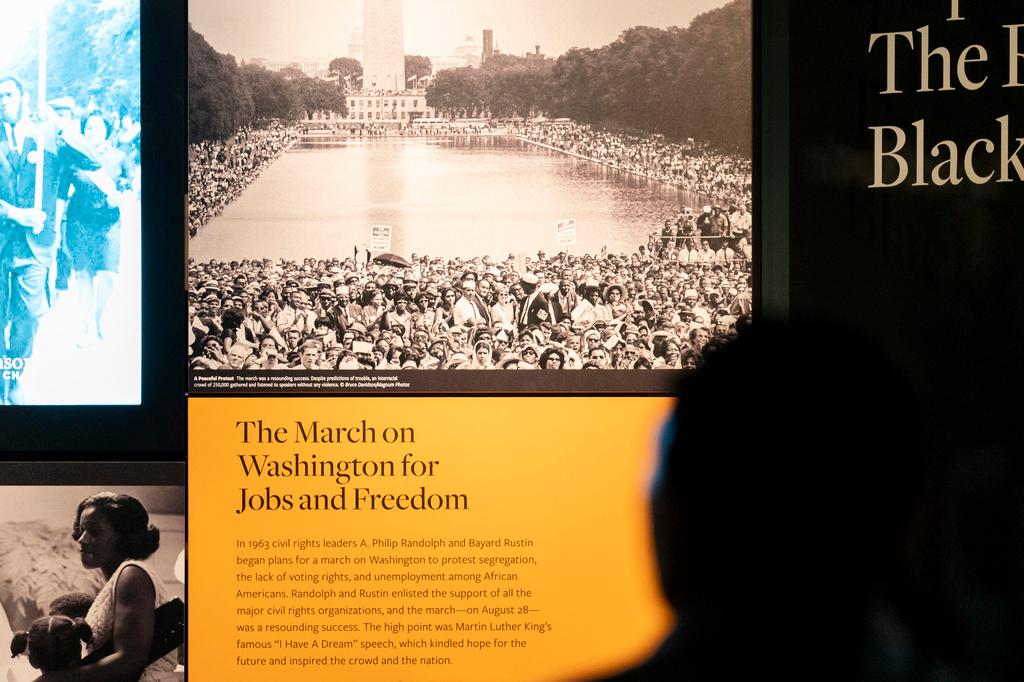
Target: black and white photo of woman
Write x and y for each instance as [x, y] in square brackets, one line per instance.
[92, 590]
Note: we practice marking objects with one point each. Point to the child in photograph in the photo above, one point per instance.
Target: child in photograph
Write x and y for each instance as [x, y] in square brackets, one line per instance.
[53, 643]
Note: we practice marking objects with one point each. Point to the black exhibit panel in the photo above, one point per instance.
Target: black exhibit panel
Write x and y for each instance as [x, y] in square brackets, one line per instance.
[906, 150]
[150, 420]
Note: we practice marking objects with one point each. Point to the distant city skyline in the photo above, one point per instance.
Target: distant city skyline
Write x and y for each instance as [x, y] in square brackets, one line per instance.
[314, 29]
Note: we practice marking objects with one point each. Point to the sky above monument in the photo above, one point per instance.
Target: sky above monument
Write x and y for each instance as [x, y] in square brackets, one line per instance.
[286, 29]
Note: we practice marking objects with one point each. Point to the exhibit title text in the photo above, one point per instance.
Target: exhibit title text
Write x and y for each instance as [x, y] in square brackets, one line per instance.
[900, 154]
[350, 476]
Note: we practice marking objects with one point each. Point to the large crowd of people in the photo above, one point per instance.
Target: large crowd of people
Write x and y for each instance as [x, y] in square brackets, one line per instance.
[419, 128]
[666, 305]
[650, 309]
[723, 177]
[218, 172]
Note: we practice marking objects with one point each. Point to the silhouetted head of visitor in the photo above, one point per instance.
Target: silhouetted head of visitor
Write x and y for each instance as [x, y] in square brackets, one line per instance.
[805, 495]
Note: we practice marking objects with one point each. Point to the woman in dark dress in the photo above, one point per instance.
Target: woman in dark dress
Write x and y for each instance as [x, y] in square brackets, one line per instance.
[94, 225]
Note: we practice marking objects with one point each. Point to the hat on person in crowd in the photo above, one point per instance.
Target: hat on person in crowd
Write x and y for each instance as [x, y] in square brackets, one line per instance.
[612, 341]
[357, 327]
[351, 277]
[211, 298]
[707, 209]
[529, 278]
[608, 289]
[508, 360]
[661, 333]
[529, 346]
[211, 338]
[455, 360]
[409, 364]
[690, 293]
[62, 104]
[548, 288]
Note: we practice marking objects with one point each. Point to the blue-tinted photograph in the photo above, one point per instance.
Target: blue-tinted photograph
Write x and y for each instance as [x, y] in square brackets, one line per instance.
[70, 187]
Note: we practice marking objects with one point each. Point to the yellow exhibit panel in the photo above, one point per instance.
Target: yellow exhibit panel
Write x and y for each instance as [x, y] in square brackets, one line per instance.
[420, 539]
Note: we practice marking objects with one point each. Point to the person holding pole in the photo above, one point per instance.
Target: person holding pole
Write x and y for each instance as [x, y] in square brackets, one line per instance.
[33, 155]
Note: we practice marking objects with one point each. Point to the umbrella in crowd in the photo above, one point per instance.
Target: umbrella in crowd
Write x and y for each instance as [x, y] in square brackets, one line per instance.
[394, 259]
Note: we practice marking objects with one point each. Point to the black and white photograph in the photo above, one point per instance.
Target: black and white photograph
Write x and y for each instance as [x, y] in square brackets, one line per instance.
[70, 188]
[63, 551]
[379, 187]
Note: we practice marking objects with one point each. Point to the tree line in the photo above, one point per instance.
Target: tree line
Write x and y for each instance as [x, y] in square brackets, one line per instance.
[223, 96]
[680, 82]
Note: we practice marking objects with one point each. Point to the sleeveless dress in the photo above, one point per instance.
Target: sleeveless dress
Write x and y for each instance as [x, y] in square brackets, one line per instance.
[101, 619]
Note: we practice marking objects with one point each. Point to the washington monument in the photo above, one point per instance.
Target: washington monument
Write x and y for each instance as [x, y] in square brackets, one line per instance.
[384, 48]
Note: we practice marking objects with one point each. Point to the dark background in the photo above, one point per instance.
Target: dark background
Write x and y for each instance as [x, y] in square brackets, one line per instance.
[931, 274]
[155, 429]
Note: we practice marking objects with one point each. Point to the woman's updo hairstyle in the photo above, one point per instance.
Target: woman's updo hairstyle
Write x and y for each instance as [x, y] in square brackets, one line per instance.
[136, 537]
[53, 642]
